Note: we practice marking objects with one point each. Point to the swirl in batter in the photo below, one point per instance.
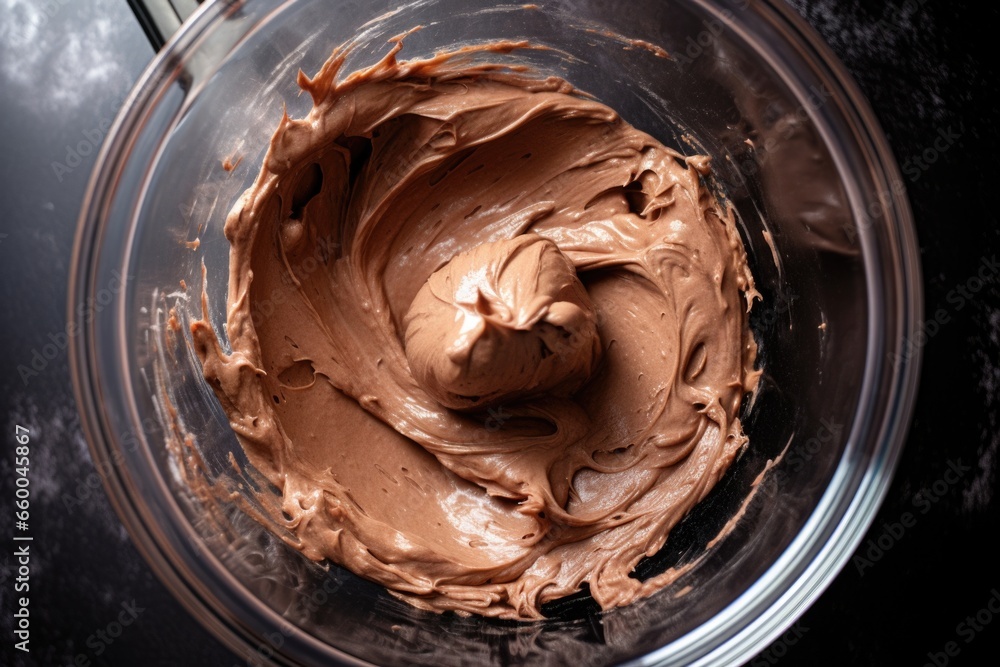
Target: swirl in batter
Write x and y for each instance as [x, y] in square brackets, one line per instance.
[488, 340]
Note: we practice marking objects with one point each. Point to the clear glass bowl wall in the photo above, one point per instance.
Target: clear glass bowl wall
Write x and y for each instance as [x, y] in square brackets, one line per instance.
[841, 295]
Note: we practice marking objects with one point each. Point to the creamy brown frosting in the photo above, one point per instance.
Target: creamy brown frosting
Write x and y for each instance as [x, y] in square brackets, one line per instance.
[502, 322]
[488, 341]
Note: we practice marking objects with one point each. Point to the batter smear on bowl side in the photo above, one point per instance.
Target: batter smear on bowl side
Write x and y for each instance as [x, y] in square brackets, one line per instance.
[488, 340]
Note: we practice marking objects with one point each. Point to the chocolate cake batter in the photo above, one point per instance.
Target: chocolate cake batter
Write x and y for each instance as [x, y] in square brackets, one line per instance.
[488, 341]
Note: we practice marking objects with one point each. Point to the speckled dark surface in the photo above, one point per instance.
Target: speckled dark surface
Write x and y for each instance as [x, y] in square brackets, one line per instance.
[928, 68]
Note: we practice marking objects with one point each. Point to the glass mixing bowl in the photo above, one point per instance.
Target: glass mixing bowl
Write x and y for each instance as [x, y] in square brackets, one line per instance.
[824, 219]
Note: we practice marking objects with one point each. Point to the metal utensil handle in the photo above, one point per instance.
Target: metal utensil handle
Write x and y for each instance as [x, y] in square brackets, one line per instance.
[161, 18]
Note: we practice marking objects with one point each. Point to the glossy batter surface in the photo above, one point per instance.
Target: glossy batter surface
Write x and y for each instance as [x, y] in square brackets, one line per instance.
[488, 340]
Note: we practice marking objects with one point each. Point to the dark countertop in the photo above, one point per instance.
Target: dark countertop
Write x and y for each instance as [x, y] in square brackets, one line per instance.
[921, 584]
